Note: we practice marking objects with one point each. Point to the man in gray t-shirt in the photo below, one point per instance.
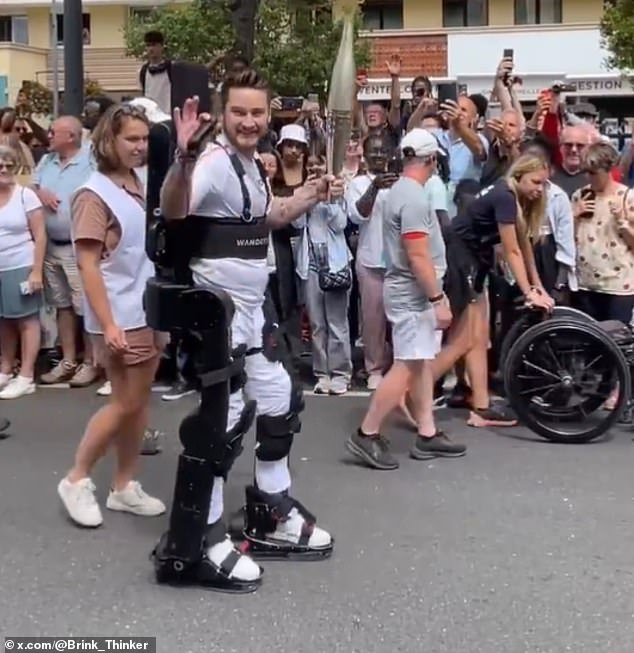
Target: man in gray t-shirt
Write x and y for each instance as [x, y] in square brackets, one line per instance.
[416, 307]
[408, 215]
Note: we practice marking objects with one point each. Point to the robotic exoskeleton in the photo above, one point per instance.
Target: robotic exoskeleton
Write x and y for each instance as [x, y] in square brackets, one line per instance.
[210, 448]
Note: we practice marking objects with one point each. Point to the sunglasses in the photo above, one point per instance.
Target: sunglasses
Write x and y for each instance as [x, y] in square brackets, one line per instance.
[570, 146]
[127, 109]
[9, 167]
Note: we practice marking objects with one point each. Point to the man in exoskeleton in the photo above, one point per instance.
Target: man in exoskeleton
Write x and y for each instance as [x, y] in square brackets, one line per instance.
[225, 196]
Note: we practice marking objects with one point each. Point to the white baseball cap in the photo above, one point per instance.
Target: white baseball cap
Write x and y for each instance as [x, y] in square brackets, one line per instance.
[421, 141]
[152, 110]
[293, 133]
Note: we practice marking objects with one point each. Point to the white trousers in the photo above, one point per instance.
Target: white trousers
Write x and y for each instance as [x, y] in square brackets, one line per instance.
[267, 383]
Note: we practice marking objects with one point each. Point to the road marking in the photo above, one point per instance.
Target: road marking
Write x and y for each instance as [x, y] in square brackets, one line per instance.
[350, 393]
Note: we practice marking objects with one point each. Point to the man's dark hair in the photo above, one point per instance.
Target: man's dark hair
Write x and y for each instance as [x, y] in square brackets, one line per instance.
[234, 58]
[154, 38]
[480, 102]
[248, 78]
[102, 101]
[423, 79]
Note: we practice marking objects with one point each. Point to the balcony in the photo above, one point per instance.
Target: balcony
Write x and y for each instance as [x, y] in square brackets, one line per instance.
[108, 66]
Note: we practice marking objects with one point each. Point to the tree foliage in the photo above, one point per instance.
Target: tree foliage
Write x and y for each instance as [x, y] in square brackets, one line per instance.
[296, 41]
[617, 31]
[35, 98]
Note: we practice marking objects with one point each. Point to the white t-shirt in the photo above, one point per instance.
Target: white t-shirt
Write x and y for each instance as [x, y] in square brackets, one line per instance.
[437, 193]
[16, 243]
[216, 193]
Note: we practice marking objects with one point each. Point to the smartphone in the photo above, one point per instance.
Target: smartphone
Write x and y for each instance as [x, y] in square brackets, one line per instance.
[463, 89]
[494, 111]
[25, 288]
[509, 53]
[588, 195]
[395, 166]
[447, 91]
[292, 103]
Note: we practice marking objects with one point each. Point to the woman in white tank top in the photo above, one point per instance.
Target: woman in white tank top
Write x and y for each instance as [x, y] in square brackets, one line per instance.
[109, 237]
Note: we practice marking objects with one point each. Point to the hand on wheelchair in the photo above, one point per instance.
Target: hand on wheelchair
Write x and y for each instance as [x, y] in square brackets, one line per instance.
[538, 298]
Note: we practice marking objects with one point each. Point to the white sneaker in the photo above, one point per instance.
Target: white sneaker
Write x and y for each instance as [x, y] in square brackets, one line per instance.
[18, 387]
[291, 530]
[373, 381]
[135, 500]
[322, 387]
[339, 385]
[4, 380]
[79, 500]
[105, 390]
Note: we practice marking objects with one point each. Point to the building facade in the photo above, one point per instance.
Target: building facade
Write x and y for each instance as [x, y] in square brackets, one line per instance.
[460, 40]
[30, 39]
[463, 40]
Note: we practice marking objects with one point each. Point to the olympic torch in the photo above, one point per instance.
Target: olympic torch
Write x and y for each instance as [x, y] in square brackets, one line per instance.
[341, 92]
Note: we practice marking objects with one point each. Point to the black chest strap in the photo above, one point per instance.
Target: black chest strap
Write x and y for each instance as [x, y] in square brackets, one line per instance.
[247, 215]
[245, 237]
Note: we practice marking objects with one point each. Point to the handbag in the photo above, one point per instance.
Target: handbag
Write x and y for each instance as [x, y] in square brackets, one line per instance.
[330, 281]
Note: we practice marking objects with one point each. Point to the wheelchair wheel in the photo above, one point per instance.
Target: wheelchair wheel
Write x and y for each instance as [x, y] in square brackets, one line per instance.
[529, 318]
[558, 375]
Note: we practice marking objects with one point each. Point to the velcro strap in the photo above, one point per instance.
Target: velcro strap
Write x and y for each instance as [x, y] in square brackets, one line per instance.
[307, 531]
[278, 426]
[216, 377]
[282, 506]
[229, 563]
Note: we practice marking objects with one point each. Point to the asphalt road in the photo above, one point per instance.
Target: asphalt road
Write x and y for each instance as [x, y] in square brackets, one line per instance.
[521, 547]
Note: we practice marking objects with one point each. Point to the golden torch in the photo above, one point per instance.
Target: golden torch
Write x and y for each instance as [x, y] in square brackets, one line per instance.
[341, 92]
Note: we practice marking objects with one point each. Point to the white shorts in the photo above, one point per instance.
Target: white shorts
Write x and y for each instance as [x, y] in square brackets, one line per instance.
[414, 336]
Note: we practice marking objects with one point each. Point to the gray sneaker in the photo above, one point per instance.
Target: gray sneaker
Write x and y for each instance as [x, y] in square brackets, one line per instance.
[63, 372]
[373, 450]
[438, 446]
[85, 375]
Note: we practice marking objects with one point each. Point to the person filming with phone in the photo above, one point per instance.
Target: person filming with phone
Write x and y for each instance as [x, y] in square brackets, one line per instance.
[365, 198]
[604, 226]
[466, 148]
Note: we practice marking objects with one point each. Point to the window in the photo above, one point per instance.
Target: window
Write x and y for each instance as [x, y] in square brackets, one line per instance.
[85, 19]
[14, 29]
[382, 15]
[143, 15]
[465, 13]
[536, 12]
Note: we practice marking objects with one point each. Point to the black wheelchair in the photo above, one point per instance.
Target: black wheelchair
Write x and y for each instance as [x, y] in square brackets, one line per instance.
[561, 368]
